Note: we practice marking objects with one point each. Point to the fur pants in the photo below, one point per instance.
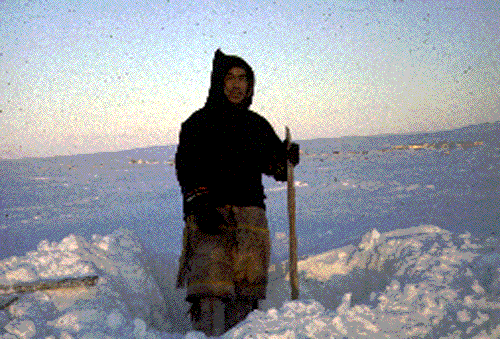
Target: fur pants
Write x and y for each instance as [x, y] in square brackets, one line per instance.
[231, 265]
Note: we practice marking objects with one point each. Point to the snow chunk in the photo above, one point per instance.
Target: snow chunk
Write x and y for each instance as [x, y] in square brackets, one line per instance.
[69, 321]
[463, 316]
[54, 261]
[23, 329]
[369, 240]
[25, 274]
[115, 320]
[70, 243]
[139, 328]
[412, 187]
[345, 305]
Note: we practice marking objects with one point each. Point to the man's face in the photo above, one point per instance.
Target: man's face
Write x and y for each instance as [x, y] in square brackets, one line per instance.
[236, 85]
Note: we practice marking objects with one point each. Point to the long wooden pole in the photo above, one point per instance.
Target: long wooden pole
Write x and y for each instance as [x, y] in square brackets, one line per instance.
[294, 280]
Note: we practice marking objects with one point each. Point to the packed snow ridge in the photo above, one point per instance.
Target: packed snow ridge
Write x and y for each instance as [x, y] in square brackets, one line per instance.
[421, 282]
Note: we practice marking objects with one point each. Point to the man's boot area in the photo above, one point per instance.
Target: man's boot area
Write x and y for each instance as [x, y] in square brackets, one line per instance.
[237, 310]
[207, 315]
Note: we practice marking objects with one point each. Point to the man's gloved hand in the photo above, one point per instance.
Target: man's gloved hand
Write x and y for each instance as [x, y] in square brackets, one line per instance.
[208, 219]
[279, 171]
[292, 154]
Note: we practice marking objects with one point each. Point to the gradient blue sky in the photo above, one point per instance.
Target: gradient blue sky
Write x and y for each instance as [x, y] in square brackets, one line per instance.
[87, 76]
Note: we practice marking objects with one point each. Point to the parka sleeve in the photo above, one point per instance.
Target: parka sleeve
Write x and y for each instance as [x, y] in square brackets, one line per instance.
[276, 160]
[188, 162]
[180, 159]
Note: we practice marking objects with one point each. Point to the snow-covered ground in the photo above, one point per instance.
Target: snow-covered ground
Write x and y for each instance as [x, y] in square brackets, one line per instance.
[339, 196]
[124, 209]
[421, 282]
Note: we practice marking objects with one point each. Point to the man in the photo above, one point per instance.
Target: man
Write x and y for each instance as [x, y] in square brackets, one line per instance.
[224, 148]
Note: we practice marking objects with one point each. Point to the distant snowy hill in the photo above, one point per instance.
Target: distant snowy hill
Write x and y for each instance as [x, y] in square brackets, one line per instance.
[421, 282]
[485, 131]
[490, 131]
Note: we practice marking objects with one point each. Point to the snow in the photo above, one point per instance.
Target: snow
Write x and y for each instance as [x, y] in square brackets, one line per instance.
[125, 301]
[408, 283]
[284, 187]
[399, 244]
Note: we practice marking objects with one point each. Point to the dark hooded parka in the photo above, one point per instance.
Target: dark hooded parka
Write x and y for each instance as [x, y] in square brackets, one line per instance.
[223, 151]
[227, 148]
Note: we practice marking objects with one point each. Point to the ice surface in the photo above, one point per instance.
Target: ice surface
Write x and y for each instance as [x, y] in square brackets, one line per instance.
[420, 282]
[345, 194]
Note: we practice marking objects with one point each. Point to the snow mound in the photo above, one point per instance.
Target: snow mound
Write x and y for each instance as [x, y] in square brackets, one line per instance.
[410, 283]
[421, 282]
[125, 301]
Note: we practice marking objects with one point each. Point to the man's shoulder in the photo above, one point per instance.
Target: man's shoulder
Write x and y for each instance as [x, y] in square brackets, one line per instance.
[261, 123]
[195, 117]
[257, 118]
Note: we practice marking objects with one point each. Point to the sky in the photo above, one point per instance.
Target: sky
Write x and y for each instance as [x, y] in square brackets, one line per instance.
[89, 76]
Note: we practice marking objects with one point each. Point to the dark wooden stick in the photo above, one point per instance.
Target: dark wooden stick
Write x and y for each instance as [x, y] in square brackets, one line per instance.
[294, 280]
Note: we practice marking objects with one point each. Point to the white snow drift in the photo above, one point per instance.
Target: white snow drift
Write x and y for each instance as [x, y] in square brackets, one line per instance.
[422, 282]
